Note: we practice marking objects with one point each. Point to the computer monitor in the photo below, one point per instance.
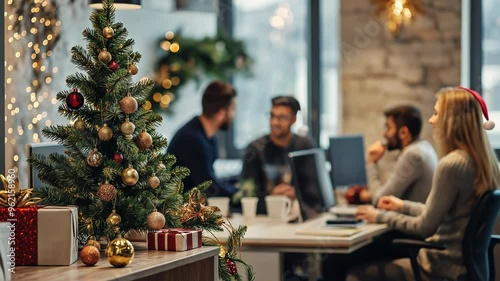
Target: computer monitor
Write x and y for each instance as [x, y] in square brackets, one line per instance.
[45, 149]
[313, 187]
[347, 159]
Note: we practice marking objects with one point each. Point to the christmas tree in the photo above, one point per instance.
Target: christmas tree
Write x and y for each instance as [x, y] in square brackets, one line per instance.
[115, 168]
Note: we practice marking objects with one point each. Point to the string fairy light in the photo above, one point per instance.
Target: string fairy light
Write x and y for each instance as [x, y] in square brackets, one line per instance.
[32, 32]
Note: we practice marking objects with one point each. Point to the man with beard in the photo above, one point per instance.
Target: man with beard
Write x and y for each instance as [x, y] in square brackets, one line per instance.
[411, 178]
[195, 144]
[265, 162]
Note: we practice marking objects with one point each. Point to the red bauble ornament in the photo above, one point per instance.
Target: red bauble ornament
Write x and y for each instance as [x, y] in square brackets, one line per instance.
[89, 255]
[113, 65]
[118, 157]
[74, 100]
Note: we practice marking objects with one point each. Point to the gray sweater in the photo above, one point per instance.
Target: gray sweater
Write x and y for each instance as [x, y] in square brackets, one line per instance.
[444, 216]
[412, 175]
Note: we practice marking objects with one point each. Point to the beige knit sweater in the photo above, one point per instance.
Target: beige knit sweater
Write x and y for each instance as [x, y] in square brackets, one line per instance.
[444, 216]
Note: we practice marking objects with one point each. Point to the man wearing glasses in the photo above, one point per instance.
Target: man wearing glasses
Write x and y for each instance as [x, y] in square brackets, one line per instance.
[265, 163]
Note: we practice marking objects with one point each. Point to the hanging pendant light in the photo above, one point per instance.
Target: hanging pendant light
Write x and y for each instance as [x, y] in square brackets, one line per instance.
[397, 13]
[119, 4]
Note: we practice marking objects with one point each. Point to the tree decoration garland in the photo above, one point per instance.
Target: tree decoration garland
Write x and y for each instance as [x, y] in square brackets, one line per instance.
[184, 59]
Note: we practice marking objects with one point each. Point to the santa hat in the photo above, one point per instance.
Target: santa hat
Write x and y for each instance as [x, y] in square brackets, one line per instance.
[488, 125]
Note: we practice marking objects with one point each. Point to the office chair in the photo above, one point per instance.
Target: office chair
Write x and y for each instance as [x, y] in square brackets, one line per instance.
[477, 244]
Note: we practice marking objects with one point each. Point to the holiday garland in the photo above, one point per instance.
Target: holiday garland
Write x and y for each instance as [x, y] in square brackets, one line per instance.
[183, 59]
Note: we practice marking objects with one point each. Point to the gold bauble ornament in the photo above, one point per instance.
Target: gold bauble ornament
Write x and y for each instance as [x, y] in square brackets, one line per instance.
[161, 166]
[127, 129]
[132, 69]
[144, 140]
[108, 32]
[94, 159]
[155, 220]
[106, 192]
[79, 124]
[104, 56]
[120, 252]
[94, 243]
[105, 133]
[89, 255]
[153, 181]
[128, 104]
[130, 176]
[114, 218]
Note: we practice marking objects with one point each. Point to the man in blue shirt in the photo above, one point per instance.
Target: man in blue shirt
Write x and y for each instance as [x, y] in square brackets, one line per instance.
[195, 145]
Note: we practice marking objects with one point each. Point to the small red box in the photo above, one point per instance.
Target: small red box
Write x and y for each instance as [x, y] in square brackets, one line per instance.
[23, 234]
[174, 239]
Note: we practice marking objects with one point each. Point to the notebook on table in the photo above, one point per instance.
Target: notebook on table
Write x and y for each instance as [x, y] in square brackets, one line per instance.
[338, 232]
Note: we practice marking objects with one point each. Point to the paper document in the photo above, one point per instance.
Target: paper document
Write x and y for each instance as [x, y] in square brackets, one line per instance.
[329, 231]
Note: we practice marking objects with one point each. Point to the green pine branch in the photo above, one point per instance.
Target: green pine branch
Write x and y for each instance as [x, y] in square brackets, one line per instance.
[81, 58]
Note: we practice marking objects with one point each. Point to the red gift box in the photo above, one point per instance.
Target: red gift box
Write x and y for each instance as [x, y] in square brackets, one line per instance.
[174, 239]
[23, 234]
[35, 238]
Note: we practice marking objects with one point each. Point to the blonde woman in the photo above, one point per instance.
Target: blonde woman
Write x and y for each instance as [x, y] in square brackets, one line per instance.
[466, 170]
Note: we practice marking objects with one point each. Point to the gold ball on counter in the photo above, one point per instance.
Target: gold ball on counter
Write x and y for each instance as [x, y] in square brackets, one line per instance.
[89, 255]
[120, 252]
[105, 133]
[108, 32]
[130, 176]
[155, 220]
[153, 181]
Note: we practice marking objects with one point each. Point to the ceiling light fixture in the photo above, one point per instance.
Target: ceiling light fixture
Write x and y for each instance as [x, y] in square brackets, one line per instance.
[119, 4]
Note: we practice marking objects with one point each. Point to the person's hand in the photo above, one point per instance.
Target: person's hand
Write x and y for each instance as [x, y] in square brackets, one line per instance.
[284, 189]
[390, 203]
[375, 152]
[367, 213]
[365, 196]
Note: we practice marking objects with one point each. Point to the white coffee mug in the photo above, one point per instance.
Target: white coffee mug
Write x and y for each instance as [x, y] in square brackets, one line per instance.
[221, 202]
[249, 207]
[278, 207]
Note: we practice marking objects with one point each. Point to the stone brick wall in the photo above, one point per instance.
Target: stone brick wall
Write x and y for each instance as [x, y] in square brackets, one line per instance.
[379, 71]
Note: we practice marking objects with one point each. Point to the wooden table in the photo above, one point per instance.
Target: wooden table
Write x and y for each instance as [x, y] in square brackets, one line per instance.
[265, 233]
[266, 240]
[197, 264]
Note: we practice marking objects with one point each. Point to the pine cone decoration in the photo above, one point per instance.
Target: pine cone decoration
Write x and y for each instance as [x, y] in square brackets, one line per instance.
[231, 265]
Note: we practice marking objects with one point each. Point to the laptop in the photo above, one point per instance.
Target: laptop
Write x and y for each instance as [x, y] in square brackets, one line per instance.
[310, 178]
[45, 149]
[347, 159]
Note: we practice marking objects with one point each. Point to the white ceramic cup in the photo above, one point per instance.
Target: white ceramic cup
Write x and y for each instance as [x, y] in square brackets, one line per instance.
[221, 202]
[249, 207]
[278, 207]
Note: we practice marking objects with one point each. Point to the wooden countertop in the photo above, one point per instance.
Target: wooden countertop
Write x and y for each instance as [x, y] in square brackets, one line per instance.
[145, 263]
